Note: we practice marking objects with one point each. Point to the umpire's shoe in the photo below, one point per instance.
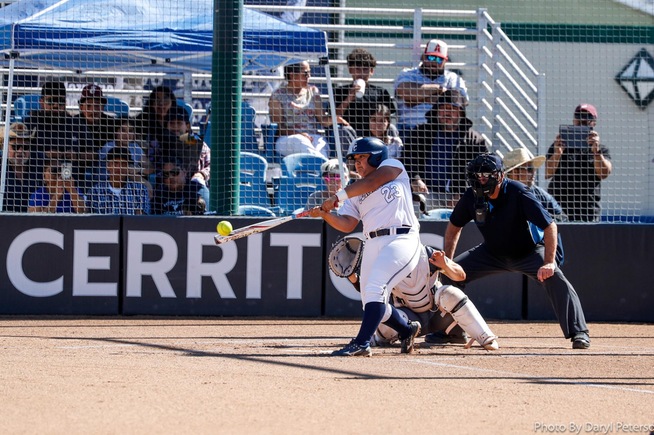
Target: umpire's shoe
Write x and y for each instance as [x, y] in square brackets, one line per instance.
[581, 340]
[409, 341]
[354, 349]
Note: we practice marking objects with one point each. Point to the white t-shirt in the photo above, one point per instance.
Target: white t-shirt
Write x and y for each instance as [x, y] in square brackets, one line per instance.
[388, 206]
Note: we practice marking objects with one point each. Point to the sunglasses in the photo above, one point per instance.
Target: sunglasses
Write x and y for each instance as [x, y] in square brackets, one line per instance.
[329, 178]
[436, 59]
[168, 174]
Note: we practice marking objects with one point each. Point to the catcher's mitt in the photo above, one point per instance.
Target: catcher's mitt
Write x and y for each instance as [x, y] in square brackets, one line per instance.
[345, 256]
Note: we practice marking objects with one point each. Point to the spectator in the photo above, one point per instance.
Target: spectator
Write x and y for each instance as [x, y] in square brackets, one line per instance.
[331, 173]
[57, 133]
[521, 166]
[380, 126]
[575, 173]
[191, 148]
[436, 153]
[357, 110]
[125, 136]
[177, 194]
[297, 108]
[151, 125]
[96, 129]
[20, 179]
[59, 192]
[518, 236]
[417, 89]
[118, 195]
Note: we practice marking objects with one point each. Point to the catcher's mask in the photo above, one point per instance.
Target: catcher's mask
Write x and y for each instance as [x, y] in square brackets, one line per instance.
[484, 166]
[375, 148]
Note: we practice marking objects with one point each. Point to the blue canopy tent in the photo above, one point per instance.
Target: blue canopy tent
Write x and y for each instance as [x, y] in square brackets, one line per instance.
[141, 35]
[150, 35]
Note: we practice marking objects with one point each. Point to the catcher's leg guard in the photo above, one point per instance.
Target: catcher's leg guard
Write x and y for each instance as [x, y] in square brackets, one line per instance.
[452, 300]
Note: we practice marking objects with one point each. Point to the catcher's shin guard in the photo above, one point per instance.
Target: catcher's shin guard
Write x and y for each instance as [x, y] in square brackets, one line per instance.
[452, 300]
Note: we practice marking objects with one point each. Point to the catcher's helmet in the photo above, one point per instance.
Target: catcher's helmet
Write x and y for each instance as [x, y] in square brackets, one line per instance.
[490, 164]
[377, 150]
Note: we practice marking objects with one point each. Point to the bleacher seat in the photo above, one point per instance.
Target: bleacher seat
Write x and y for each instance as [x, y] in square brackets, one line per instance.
[438, 214]
[255, 210]
[253, 188]
[249, 140]
[269, 133]
[187, 107]
[303, 165]
[292, 193]
[24, 105]
[117, 107]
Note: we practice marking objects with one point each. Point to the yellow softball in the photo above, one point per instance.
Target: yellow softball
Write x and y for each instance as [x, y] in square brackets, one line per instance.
[224, 228]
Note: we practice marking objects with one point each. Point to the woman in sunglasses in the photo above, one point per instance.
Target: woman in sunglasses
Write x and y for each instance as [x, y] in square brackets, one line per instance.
[417, 89]
[331, 173]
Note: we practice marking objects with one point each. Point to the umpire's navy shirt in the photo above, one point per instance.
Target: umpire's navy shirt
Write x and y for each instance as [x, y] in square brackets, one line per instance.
[515, 221]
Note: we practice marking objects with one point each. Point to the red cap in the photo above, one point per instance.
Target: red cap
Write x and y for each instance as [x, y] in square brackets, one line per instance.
[436, 47]
[92, 91]
[586, 108]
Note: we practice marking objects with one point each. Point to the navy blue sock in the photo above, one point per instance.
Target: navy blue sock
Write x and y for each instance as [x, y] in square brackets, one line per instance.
[397, 322]
[372, 315]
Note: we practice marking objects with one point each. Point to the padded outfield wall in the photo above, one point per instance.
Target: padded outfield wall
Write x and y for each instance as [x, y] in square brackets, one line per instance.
[91, 265]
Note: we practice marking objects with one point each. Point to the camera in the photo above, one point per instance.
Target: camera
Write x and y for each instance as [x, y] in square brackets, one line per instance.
[65, 170]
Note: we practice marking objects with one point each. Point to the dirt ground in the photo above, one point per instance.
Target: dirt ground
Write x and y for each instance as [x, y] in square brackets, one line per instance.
[275, 376]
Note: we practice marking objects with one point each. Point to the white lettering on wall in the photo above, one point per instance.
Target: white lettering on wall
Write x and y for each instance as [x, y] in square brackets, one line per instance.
[15, 262]
[253, 267]
[137, 268]
[83, 262]
[196, 269]
[295, 243]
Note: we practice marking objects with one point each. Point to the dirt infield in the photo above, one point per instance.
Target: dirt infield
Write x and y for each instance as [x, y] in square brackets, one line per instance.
[274, 376]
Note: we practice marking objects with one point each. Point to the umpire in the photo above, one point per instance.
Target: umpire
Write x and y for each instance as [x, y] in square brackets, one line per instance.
[519, 236]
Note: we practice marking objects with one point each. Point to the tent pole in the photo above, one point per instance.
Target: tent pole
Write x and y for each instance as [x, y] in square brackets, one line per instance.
[5, 140]
[332, 110]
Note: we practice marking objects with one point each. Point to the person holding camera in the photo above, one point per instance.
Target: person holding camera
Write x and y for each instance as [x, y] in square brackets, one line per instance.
[59, 193]
[576, 172]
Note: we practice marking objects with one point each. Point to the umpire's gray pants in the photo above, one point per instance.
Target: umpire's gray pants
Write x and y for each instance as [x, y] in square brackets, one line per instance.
[478, 262]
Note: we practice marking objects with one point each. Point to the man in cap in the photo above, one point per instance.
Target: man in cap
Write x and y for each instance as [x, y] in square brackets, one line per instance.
[436, 153]
[576, 173]
[519, 235]
[521, 166]
[57, 133]
[20, 179]
[97, 128]
[417, 89]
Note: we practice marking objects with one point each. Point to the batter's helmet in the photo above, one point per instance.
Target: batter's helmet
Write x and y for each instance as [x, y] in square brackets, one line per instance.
[490, 164]
[369, 145]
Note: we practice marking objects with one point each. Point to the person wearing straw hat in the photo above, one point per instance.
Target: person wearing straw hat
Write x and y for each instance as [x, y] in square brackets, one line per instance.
[521, 166]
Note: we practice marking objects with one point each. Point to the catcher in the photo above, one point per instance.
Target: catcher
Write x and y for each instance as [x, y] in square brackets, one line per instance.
[420, 296]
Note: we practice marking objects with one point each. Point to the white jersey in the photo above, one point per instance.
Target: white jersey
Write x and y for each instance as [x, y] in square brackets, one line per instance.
[416, 291]
[372, 208]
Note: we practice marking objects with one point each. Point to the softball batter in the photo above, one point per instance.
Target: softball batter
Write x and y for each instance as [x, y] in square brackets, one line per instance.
[382, 201]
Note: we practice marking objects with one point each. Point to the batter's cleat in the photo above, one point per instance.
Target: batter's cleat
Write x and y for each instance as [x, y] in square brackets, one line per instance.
[440, 337]
[354, 349]
[409, 342]
[581, 340]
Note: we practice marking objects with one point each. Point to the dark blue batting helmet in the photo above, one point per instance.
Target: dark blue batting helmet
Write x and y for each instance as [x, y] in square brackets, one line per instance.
[375, 148]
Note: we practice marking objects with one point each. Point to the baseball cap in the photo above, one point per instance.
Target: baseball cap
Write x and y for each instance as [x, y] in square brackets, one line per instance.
[17, 130]
[521, 156]
[436, 47]
[177, 113]
[585, 107]
[92, 91]
[53, 89]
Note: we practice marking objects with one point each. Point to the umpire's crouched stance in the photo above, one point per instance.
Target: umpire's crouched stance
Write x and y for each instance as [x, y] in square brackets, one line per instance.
[519, 236]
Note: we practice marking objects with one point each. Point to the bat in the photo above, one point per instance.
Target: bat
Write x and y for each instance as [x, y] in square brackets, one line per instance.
[260, 227]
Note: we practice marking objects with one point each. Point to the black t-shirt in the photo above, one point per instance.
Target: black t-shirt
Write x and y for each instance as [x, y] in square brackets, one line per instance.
[515, 220]
[359, 111]
[575, 185]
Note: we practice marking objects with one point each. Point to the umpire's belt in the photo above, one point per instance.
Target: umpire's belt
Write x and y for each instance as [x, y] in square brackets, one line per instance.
[388, 232]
